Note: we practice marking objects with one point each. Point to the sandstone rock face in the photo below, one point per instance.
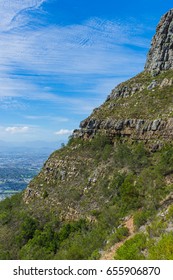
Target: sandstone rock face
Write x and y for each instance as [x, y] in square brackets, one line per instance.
[136, 129]
[160, 56]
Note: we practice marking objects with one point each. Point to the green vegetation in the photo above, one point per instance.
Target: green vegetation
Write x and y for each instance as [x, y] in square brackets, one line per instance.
[120, 234]
[75, 207]
[141, 217]
[132, 182]
[144, 104]
[132, 249]
[163, 249]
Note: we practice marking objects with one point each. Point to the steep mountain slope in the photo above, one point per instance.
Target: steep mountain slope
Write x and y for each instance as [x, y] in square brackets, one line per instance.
[119, 163]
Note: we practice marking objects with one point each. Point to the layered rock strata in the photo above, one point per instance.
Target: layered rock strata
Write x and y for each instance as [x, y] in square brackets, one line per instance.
[160, 56]
[136, 129]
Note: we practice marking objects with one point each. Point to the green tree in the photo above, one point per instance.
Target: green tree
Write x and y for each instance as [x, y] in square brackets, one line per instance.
[27, 230]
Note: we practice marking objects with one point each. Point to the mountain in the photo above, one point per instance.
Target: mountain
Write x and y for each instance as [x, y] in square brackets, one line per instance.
[109, 192]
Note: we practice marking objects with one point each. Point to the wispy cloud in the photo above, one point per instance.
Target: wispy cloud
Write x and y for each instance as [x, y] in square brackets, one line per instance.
[11, 11]
[68, 68]
[47, 117]
[63, 132]
[81, 49]
[9, 102]
[17, 129]
[65, 54]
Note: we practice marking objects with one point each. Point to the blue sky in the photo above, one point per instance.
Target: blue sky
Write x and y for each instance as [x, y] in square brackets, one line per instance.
[59, 59]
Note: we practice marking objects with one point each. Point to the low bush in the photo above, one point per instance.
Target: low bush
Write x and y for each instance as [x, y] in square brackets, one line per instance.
[163, 249]
[141, 217]
[119, 235]
[26, 230]
[131, 249]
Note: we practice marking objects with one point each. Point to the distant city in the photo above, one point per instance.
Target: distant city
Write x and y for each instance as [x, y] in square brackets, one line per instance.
[18, 167]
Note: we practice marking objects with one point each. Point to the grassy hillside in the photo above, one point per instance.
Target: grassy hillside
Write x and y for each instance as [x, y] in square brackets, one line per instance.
[147, 97]
[78, 213]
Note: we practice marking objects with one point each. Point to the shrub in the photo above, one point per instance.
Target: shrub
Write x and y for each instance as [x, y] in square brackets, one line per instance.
[26, 231]
[122, 233]
[5, 217]
[45, 194]
[99, 142]
[95, 255]
[141, 217]
[163, 249]
[151, 188]
[140, 157]
[116, 182]
[35, 252]
[119, 235]
[170, 212]
[69, 228]
[122, 155]
[109, 217]
[106, 152]
[156, 228]
[6, 204]
[82, 245]
[164, 164]
[135, 156]
[129, 194]
[132, 248]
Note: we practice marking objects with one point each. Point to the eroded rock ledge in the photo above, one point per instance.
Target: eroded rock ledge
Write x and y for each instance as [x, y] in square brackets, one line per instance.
[136, 129]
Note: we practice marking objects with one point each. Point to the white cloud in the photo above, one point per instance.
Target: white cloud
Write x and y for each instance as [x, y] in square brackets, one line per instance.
[72, 47]
[17, 129]
[63, 132]
[11, 11]
[12, 103]
[68, 55]
[47, 117]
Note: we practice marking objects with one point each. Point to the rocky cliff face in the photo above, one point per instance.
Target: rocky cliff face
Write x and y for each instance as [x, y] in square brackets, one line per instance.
[160, 56]
[139, 108]
[136, 129]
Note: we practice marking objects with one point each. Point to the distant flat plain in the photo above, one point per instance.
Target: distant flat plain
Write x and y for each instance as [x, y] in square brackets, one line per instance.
[18, 167]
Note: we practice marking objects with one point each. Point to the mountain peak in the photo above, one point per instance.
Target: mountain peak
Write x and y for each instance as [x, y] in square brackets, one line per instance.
[160, 56]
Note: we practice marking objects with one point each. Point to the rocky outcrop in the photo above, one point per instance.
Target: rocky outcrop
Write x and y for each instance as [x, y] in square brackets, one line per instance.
[160, 56]
[123, 91]
[136, 129]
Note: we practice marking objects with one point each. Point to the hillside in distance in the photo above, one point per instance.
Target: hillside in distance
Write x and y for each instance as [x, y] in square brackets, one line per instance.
[107, 194]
